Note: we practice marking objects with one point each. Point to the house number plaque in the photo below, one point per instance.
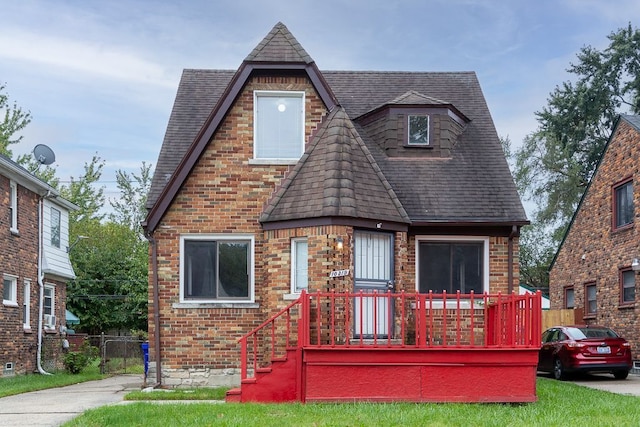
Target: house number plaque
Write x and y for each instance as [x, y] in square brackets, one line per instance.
[339, 273]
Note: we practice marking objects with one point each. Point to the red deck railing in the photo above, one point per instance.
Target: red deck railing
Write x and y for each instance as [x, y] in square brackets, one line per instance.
[394, 320]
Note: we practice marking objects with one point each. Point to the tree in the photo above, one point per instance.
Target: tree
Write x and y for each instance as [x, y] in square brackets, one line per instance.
[556, 162]
[81, 192]
[130, 209]
[14, 121]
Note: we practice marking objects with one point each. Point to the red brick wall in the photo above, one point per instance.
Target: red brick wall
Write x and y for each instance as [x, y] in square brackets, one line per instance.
[593, 251]
[18, 257]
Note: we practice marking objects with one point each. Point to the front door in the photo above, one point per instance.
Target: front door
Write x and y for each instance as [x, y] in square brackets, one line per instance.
[373, 315]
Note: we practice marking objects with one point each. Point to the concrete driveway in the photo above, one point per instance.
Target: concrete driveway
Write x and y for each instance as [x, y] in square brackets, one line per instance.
[56, 406]
[606, 382]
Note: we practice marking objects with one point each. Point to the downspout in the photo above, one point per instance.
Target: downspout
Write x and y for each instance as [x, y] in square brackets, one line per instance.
[514, 233]
[40, 284]
[156, 303]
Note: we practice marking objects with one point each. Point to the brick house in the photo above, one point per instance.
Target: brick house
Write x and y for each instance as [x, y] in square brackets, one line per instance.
[278, 178]
[35, 267]
[592, 271]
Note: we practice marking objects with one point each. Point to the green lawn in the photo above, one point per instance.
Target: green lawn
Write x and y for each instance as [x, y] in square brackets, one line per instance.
[33, 382]
[559, 404]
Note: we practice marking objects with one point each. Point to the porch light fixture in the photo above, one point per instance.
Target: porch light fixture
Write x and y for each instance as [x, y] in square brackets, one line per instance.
[635, 264]
[339, 243]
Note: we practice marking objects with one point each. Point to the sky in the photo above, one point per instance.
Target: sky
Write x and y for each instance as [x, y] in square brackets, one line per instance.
[100, 77]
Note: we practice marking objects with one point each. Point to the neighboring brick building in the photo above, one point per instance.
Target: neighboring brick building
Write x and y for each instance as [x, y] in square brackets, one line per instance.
[272, 177]
[592, 270]
[34, 220]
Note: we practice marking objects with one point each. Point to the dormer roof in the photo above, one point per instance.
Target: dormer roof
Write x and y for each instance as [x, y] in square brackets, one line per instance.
[279, 46]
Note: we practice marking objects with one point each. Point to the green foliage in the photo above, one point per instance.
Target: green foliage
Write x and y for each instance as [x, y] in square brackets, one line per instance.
[76, 361]
[84, 194]
[110, 290]
[14, 121]
[129, 209]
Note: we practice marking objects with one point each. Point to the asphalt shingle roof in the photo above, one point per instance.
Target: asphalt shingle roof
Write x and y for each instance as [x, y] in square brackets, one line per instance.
[474, 184]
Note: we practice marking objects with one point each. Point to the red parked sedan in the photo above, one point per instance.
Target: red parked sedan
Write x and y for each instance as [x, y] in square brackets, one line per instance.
[568, 349]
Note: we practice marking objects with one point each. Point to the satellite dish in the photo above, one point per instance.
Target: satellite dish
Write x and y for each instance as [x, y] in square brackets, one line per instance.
[43, 154]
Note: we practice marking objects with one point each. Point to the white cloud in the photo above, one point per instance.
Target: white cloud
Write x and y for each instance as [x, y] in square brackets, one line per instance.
[91, 58]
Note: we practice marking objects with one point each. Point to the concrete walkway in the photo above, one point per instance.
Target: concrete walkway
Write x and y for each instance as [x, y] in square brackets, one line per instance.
[606, 382]
[56, 406]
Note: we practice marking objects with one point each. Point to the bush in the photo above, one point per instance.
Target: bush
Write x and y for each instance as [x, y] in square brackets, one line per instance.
[76, 361]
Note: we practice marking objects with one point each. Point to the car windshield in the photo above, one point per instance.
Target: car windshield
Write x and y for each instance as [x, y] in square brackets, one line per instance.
[582, 333]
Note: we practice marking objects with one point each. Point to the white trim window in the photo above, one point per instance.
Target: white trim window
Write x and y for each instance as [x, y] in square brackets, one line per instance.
[26, 304]
[299, 265]
[278, 131]
[13, 206]
[418, 130]
[55, 227]
[10, 290]
[451, 264]
[49, 306]
[216, 268]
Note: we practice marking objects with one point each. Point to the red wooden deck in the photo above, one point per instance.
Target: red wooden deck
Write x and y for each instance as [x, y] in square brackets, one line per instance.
[394, 347]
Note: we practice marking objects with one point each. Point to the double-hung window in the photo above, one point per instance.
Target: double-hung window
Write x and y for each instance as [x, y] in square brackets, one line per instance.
[453, 265]
[590, 299]
[627, 286]
[49, 306]
[418, 130]
[569, 297]
[623, 204]
[13, 206]
[55, 227]
[299, 265]
[26, 305]
[278, 125]
[9, 290]
[217, 268]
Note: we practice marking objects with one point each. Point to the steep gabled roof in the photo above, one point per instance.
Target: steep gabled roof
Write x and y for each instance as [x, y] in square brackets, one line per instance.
[336, 177]
[279, 46]
[278, 51]
[412, 97]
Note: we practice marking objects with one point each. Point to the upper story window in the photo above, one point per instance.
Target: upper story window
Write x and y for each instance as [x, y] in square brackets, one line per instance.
[569, 297]
[418, 133]
[627, 286]
[216, 268]
[13, 206]
[453, 265]
[55, 227]
[590, 299]
[299, 265]
[9, 290]
[623, 204]
[278, 125]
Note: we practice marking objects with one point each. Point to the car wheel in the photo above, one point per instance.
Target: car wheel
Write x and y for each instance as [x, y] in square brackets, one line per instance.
[620, 375]
[558, 370]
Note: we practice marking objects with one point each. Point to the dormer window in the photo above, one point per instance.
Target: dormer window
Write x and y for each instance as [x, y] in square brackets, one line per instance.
[278, 125]
[418, 130]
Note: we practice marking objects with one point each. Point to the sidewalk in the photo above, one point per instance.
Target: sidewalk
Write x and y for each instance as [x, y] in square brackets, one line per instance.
[606, 382]
[56, 406]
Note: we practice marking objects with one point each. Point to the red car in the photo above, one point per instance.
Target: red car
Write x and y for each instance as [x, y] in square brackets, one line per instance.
[568, 349]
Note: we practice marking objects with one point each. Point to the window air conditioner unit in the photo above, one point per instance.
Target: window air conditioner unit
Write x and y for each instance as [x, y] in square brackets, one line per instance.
[49, 320]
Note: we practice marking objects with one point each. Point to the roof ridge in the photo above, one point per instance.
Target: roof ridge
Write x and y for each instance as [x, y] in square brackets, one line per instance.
[279, 45]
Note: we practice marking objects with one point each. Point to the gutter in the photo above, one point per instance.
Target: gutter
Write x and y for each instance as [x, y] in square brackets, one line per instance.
[156, 310]
[40, 284]
[514, 233]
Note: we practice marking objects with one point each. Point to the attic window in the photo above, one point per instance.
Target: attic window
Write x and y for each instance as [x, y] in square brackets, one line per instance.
[418, 130]
[278, 125]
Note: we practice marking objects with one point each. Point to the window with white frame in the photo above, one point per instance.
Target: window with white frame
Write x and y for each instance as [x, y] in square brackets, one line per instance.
[49, 306]
[217, 268]
[451, 265]
[13, 206]
[299, 265]
[55, 227]
[278, 125]
[9, 290]
[627, 286]
[418, 130]
[26, 304]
